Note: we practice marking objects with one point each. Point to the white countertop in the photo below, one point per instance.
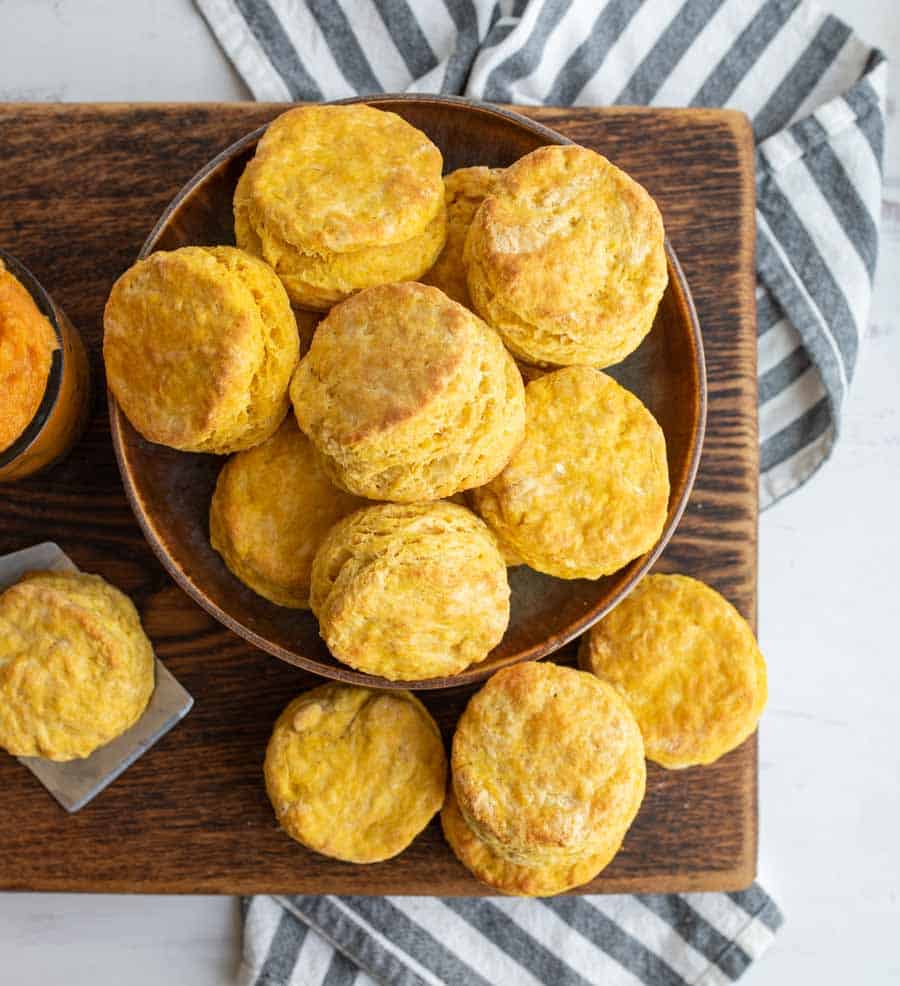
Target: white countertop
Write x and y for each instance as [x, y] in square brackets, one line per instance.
[830, 754]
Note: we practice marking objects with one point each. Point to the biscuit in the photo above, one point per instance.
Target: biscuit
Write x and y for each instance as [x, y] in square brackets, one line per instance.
[498, 873]
[408, 395]
[566, 259]
[688, 665]
[355, 773]
[465, 189]
[76, 668]
[27, 344]
[341, 198]
[272, 506]
[547, 768]
[410, 591]
[588, 489]
[199, 345]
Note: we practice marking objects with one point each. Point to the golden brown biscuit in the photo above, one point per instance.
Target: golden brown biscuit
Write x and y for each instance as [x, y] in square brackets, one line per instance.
[688, 665]
[410, 591]
[27, 343]
[408, 395]
[341, 198]
[588, 489]
[355, 773]
[566, 259]
[492, 869]
[272, 506]
[199, 346]
[547, 768]
[76, 668]
[465, 189]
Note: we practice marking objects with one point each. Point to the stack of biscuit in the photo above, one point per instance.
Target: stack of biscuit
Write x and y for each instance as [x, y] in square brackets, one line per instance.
[436, 340]
[402, 392]
[341, 198]
[547, 775]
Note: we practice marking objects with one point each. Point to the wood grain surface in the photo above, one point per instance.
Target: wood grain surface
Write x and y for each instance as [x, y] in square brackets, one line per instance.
[80, 187]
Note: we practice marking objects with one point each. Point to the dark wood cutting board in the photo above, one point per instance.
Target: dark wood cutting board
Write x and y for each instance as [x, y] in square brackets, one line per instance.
[80, 188]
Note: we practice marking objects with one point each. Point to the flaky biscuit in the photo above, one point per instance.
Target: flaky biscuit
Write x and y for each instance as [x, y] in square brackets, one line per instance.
[688, 665]
[587, 491]
[76, 668]
[272, 506]
[408, 395]
[199, 345]
[507, 877]
[410, 591]
[355, 773]
[27, 344]
[340, 198]
[464, 189]
[566, 259]
[546, 767]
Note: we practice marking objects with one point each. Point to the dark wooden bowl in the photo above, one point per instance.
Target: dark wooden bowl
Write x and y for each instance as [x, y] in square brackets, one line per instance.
[170, 491]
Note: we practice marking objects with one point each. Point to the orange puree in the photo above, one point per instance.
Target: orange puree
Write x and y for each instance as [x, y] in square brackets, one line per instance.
[27, 342]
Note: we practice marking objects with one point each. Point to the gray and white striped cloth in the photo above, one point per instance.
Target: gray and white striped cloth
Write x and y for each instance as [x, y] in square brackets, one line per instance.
[815, 94]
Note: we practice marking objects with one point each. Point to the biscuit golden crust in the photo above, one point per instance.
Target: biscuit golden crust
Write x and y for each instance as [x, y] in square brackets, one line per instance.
[76, 669]
[566, 259]
[340, 198]
[408, 395]
[688, 665]
[588, 489]
[547, 768]
[465, 189]
[355, 773]
[199, 345]
[272, 507]
[27, 344]
[507, 877]
[410, 591]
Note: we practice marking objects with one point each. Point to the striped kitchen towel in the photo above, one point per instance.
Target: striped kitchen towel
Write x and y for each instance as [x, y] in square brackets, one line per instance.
[815, 95]
[664, 940]
[814, 92]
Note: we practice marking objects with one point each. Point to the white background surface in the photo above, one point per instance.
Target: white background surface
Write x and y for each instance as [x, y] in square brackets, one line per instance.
[830, 753]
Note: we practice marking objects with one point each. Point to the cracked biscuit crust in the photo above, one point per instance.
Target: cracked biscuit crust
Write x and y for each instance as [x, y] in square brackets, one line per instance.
[688, 665]
[76, 668]
[547, 768]
[199, 345]
[410, 591]
[566, 259]
[355, 773]
[587, 491]
[408, 395]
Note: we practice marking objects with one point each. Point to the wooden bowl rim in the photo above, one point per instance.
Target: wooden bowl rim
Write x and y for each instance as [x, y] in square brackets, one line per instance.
[476, 673]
